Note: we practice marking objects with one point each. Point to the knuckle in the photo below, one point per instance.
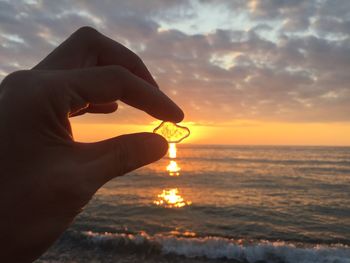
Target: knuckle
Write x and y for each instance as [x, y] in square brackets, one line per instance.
[20, 76]
[40, 85]
[16, 84]
[86, 33]
[30, 89]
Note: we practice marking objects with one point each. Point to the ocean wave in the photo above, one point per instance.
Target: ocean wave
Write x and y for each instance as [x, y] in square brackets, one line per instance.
[221, 248]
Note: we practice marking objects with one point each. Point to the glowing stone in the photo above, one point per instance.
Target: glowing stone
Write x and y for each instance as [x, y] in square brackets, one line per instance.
[173, 132]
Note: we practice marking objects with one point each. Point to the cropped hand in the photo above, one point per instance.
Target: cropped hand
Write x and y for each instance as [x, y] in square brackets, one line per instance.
[46, 178]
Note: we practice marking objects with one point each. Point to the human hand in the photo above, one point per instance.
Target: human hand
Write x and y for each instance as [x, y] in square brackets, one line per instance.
[46, 177]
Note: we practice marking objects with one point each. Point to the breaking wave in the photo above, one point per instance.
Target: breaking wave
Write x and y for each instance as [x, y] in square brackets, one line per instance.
[218, 248]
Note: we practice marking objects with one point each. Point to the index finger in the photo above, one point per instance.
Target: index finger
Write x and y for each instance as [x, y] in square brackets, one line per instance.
[107, 84]
[88, 48]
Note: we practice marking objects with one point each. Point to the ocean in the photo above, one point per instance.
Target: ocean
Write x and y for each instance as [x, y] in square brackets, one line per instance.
[280, 204]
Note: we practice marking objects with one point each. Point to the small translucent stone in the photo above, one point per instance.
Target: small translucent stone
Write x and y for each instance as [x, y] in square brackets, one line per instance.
[173, 132]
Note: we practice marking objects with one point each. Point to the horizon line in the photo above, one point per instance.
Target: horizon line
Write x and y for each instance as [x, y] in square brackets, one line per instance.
[265, 145]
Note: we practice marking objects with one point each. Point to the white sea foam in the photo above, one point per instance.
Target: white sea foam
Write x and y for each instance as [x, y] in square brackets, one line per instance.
[216, 248]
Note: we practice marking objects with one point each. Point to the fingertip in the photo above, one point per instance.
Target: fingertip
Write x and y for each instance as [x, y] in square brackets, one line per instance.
[144, 148]
[175, 115]
[179, 116]
[172, 112]
[114, 107]
[158, 143]
[120, 155]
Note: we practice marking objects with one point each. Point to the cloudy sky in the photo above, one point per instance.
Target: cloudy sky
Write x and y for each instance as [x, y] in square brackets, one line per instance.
[265, 72]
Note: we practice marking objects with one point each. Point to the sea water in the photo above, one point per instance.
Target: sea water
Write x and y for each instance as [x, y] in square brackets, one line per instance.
[225, 204]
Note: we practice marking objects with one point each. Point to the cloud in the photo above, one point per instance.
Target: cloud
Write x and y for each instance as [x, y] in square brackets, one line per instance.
[278, 61]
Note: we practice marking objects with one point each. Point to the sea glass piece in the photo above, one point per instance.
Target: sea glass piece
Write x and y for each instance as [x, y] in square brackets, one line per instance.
[173, 132]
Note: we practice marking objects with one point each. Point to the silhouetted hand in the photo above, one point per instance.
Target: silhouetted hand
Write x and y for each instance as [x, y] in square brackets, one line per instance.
[45, 177]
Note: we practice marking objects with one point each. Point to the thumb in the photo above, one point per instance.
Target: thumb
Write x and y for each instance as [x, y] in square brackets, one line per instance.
[117, 156]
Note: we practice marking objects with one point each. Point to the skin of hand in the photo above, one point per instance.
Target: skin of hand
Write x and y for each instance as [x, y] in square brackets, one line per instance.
[46, 178]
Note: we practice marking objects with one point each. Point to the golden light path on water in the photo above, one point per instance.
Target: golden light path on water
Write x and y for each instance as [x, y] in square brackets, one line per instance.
[172, 150]
[171, 197]
[173, 168]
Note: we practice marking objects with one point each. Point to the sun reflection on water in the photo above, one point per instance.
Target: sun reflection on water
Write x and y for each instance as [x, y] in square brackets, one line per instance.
[171, 198]
[172, 150]
[173, 168]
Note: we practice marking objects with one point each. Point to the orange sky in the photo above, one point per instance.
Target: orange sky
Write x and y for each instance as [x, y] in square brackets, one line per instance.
[240, 132]
[244, 72]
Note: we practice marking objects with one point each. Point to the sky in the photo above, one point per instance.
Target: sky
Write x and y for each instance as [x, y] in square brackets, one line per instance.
[244, 71]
